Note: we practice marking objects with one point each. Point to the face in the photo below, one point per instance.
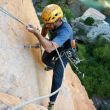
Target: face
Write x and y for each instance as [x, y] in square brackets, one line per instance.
[50, 26]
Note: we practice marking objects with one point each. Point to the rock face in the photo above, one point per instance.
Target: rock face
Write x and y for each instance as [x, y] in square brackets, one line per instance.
[90, 33]
[21, 71]
[91, 12]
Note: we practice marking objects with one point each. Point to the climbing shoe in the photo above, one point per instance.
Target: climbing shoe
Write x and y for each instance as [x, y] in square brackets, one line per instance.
[51, 106]
[48, 68]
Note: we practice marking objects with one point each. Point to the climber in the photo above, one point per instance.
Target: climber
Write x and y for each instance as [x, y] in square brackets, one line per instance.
[61, 37]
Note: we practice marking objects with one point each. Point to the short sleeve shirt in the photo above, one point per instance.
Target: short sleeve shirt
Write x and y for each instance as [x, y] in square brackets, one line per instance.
[62, 34]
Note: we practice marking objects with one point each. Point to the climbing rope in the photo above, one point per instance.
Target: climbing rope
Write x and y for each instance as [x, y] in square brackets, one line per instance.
[10, 15]
[18, 20]
[13, 17]
[21, 105]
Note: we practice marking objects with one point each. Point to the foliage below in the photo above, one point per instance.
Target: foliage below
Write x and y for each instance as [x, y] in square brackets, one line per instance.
[96, 67]
[89, 21]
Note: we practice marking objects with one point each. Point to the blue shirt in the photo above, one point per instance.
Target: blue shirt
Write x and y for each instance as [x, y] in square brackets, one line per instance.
[62, 34]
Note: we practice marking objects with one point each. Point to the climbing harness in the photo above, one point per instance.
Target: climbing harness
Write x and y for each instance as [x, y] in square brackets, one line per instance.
[21, 105]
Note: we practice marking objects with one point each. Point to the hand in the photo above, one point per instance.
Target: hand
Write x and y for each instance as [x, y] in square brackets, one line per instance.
[44, 27]
[32, 29]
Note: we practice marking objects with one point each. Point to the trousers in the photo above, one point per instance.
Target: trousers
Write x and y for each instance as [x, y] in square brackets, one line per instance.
[58, 70]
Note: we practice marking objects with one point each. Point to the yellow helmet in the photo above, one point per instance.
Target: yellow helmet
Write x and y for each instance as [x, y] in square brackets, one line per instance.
[51, 13]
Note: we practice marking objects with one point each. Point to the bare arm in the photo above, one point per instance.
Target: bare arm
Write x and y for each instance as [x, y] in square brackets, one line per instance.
[49, 46]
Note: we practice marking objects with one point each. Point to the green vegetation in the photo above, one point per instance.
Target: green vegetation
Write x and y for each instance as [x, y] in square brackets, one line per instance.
[80, 32]
[89, 21]
[96, 67]
[67, 12]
